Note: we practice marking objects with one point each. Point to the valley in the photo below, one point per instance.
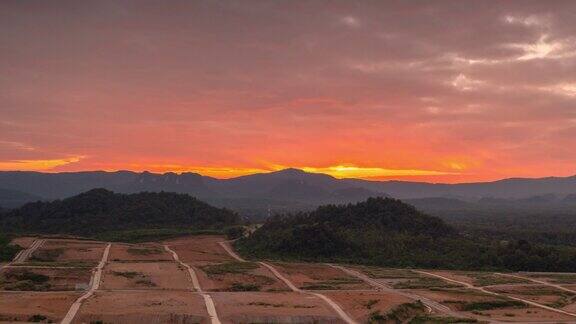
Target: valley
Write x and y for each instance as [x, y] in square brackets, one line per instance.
[201, 279]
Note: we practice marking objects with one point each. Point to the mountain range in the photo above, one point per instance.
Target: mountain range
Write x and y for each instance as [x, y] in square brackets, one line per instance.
[285, 189]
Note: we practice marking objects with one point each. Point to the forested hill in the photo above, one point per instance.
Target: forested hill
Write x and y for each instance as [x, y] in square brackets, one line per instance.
[100, 210]
[388, 232]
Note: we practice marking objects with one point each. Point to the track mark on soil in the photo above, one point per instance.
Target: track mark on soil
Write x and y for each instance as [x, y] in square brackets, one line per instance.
[94, 285]
[210, 307]
[470, 286]
[538, 281]
[23, 255]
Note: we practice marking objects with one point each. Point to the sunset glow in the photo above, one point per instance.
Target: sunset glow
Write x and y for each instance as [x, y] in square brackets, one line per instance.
[463, 91]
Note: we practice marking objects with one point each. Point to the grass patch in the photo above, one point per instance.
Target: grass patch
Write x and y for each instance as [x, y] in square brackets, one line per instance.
[425, 283]
[229, 267]
[25, 281]
[265, 304]
[426, 319]
[382, 273]
[127, 274]
[151, 235]
[237, 286]
[71, 264]
[47, 255]
[144, 251]
[487, 279]
[492, 304]
[399, 314]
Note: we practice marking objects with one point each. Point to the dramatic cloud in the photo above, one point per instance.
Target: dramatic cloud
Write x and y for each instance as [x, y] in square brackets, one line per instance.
[436, 90]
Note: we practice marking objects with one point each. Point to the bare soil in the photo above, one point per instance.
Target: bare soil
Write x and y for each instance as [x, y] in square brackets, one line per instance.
[200, 250]
[257, 279]
[261, 307]
[69, 251]
[138, 252]
[24, 242]
[312, 276]
[360, 305]
[454, 297]
[143, 307]
[541, 294]
[145, 275]
[22, 306]
[44, 279]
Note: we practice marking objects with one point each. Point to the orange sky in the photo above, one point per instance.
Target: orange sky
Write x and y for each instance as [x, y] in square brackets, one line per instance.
[446, 91]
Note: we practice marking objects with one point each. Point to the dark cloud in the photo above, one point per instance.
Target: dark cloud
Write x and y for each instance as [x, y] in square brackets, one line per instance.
[252, 83]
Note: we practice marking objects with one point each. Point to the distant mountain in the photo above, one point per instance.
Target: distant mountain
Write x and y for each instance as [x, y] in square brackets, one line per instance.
[275, 190]
[13, 198]
[100, 210]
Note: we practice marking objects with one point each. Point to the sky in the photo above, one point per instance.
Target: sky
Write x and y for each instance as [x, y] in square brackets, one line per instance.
[439, 91]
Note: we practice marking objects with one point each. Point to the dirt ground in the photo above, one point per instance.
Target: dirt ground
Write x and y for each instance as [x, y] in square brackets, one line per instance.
[143, 307]
[24, 242]
[145, 275]
[261, 307]
[387, 276]
[138, 252]
[22, 306]
[480, 279]
[200, 250]
[541, 294]
[311, 276]
[69, 251]
[257, 278]
[44, 279]
[361, 304]
[453, 298]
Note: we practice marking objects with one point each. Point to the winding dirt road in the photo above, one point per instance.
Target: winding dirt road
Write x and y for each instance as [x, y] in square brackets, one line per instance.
[94, 285]
[470, 286]
[339, 311]
[538, 281]
[210, 307]
[24, 255]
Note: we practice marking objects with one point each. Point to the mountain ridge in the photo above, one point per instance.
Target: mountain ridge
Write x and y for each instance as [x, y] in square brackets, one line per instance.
[288, 185]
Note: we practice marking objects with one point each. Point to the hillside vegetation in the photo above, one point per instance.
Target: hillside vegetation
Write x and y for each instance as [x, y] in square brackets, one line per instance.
[388, 232]
[99, 210]
[7, 251]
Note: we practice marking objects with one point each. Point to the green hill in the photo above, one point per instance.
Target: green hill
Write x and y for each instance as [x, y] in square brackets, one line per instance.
[98, 211]
[388, 232]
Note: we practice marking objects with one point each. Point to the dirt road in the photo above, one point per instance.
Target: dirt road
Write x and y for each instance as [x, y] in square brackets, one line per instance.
[538, 281]
[339, 311]
[470, 286]
[24, 255]
[210, 307]
[94, 285]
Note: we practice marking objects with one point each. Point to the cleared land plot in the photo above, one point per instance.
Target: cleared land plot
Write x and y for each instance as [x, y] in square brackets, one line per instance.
[145, 275]
[476, 304]
[554, 278]
[260, 307]
[68, 252]
[24, 242]
[44, 279]
[143, 307]
[541, 294]
[361, 305]
[401, 278]
[238, 276]
[29, 306]
[200, 250]
[480, 278]
[138, 252]
[311, 276]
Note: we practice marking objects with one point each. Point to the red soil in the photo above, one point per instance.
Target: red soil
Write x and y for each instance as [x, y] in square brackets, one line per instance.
[145, 275]
[143, 307]
[22, 305]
